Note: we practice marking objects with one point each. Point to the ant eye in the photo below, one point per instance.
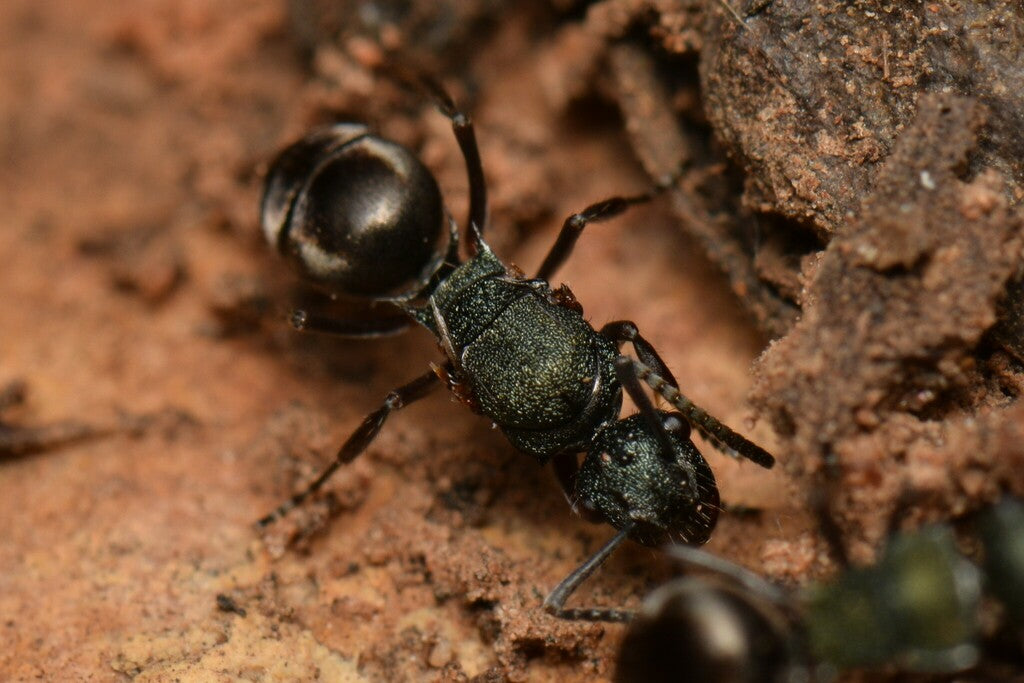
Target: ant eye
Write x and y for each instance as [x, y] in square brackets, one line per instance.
[677, 424]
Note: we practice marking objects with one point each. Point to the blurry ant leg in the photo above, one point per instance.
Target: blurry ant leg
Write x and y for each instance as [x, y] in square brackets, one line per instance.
[740, 575]
[818, 498]
[352, 329]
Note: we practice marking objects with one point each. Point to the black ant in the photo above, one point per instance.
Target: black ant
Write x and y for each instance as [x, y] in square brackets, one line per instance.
[917, 608]
[363, 217]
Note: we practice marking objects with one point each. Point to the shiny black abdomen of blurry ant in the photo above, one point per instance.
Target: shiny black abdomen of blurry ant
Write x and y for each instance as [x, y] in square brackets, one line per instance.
[363, 217]
[919, 608]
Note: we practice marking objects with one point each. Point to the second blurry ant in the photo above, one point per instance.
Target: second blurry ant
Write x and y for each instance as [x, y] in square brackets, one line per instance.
[917, 608]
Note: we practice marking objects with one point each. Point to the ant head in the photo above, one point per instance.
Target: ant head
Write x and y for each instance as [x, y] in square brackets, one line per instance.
[355, 213]
[628, 480]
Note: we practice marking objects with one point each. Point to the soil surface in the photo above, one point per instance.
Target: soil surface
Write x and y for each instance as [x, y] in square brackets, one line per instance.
[833, 268]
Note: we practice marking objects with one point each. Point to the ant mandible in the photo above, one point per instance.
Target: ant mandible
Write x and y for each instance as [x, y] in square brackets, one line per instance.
[363, 217]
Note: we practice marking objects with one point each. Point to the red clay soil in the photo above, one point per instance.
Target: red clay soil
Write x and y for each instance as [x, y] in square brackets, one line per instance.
[837, 243]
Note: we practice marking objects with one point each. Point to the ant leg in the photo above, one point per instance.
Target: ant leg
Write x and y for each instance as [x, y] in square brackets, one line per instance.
[359, 440]
[820, 499]
[21, 441]
[721, 437]
[462, 126]
[573, 226]
[740, 575]
[827, 525]
[554, 604]
[353, 329]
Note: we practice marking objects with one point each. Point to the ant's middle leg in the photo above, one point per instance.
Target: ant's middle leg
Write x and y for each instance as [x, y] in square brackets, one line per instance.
[360, 439]
[573, 227]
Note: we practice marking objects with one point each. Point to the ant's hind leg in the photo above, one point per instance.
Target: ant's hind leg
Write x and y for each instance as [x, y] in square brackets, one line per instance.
[360, 439]
[554, 604]
[573, 227]
[352, 329]
[465, 135]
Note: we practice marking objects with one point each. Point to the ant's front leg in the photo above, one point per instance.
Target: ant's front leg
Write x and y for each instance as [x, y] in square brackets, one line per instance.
[554, 604]
[360, 439]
